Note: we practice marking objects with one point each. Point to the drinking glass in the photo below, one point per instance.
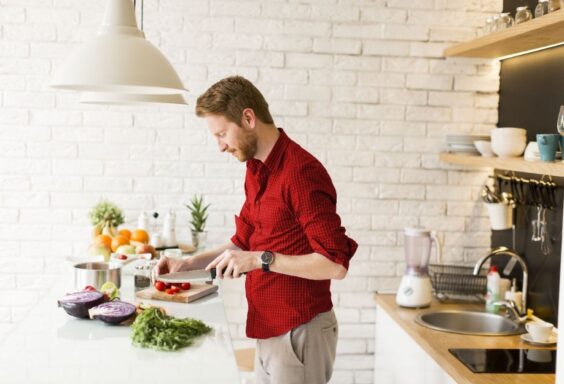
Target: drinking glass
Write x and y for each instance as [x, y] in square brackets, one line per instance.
[523, 14]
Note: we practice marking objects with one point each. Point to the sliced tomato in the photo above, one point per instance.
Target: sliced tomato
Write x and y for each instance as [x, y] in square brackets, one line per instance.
[170, 291]
[160, 286]
[185, 286]
[122, 257]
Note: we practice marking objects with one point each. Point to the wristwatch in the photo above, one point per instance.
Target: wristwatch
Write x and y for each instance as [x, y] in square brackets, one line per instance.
[266, 258]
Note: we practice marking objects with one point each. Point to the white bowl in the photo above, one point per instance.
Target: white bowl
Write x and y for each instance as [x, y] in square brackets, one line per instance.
[484, 147]
[508, 147]
[507, 132]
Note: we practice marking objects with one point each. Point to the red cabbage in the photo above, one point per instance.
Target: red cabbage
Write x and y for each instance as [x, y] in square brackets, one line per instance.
[77, 304]
[113, 312]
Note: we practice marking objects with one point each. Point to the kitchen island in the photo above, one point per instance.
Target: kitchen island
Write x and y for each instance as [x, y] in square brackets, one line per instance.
[50, 346]
[407, 352]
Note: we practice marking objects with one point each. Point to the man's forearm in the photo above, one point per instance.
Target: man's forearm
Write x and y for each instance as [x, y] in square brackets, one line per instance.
[313, 266]
[202, 259]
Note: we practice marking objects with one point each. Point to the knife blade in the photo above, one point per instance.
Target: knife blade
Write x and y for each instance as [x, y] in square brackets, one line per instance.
[184, 276]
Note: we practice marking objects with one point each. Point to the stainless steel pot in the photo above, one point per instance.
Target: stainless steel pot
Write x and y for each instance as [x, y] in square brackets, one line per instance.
[96, 274]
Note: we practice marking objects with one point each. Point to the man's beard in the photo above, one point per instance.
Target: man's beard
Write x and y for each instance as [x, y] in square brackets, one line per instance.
[247, 146]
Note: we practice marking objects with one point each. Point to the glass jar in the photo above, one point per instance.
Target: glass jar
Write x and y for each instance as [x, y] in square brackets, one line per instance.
[488, 26]
[523, 14]
[553, 5]
[142, 276]
[542, 8]
[495, 19]
[505, 21]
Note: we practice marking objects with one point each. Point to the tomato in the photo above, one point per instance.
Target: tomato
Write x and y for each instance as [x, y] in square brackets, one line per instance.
[175, 289]
[168, 285]
[89, 288]
[122, 257]
[170, 291]
[160, 286]
[185, 286]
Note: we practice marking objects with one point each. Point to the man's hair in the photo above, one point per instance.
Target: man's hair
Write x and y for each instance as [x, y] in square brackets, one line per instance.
[229, 97]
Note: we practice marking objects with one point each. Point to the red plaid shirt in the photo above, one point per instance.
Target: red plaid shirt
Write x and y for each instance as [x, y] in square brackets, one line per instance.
[290, 208]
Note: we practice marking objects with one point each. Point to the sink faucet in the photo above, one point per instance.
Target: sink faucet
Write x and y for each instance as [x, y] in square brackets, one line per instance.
[508, 252]
[512, 311]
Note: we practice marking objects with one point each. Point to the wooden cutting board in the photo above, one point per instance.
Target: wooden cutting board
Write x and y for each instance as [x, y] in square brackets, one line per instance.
[196, 291]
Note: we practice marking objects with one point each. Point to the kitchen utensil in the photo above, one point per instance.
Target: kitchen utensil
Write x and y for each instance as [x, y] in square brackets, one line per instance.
[96, 274]
[457, 282]
[500, 215]
[187, 276]
[546, 247]
[415, 290]
[536, 226]
[196, 291]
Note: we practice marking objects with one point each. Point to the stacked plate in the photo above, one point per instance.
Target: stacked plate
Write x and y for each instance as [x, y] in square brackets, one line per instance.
[464, 144]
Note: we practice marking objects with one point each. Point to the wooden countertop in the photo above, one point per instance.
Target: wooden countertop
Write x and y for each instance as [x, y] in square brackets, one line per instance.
[437, 343]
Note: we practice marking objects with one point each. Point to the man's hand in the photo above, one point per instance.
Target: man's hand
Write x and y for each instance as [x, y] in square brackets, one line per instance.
[233, 263]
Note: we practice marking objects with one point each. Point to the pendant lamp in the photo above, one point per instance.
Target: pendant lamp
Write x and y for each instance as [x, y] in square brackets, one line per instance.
[119, 60]
[130, 99]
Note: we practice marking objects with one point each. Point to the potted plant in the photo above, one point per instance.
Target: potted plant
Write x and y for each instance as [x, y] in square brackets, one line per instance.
[198, 213]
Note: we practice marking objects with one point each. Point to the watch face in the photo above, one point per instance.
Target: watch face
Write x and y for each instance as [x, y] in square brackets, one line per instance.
[267, 257]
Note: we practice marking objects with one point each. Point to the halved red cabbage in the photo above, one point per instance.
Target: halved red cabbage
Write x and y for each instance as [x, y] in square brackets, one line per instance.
[112, 312]
[77, 304]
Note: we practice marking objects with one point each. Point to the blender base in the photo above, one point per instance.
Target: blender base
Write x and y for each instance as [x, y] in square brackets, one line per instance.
[414, 292]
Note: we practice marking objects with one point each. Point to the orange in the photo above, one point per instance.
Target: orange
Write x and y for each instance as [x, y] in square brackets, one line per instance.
[140, 236]
[125, 233]
[118, 241]
[105, 240]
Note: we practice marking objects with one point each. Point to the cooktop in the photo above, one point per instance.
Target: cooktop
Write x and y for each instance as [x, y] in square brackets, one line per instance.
[507, 360]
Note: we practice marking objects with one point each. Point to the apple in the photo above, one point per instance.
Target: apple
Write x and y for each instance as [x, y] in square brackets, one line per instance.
[126, 249]
[146, 248]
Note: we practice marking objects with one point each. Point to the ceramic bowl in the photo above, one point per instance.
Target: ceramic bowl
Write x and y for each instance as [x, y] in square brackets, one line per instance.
[508, 147]
[508, 132]
[484, 147]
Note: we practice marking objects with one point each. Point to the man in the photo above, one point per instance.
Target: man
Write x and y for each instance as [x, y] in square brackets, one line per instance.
[288, 239]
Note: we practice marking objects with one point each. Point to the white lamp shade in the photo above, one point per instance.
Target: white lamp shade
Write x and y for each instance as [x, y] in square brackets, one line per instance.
[118, 59]
[130, 99]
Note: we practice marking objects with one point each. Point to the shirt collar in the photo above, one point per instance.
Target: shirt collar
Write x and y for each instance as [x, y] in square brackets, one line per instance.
[274, 158]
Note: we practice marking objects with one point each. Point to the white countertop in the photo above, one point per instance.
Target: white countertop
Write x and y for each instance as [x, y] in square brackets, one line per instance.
[50, 346]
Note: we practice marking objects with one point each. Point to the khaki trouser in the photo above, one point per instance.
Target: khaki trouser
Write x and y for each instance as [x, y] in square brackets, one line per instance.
[305, 355]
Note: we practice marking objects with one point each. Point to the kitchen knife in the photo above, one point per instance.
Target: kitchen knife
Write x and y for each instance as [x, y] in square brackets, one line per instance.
[184, 276]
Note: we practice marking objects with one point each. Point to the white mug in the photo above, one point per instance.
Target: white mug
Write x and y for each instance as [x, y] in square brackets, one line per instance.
[539, 331]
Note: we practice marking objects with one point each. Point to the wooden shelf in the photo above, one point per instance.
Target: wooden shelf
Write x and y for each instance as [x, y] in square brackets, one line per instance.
[532, 34]
[517, 164]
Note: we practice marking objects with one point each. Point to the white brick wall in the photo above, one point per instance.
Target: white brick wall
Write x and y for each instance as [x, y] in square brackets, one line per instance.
[361, 84]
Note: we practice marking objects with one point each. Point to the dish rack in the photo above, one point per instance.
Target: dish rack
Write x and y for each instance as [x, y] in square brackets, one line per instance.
[458, 283]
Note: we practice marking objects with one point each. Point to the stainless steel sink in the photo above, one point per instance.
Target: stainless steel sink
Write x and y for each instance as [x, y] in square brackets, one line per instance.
[470, 323]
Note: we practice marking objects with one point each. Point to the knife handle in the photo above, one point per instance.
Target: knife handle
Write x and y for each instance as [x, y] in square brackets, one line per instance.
[213, 272]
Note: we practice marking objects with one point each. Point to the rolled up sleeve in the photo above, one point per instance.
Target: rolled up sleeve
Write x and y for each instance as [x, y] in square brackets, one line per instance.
[314, 201]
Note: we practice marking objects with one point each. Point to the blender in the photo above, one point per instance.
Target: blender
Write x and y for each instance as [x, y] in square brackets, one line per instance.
[415, 289]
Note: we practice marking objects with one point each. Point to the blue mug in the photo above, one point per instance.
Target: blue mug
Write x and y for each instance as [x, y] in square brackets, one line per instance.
[548, 144]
